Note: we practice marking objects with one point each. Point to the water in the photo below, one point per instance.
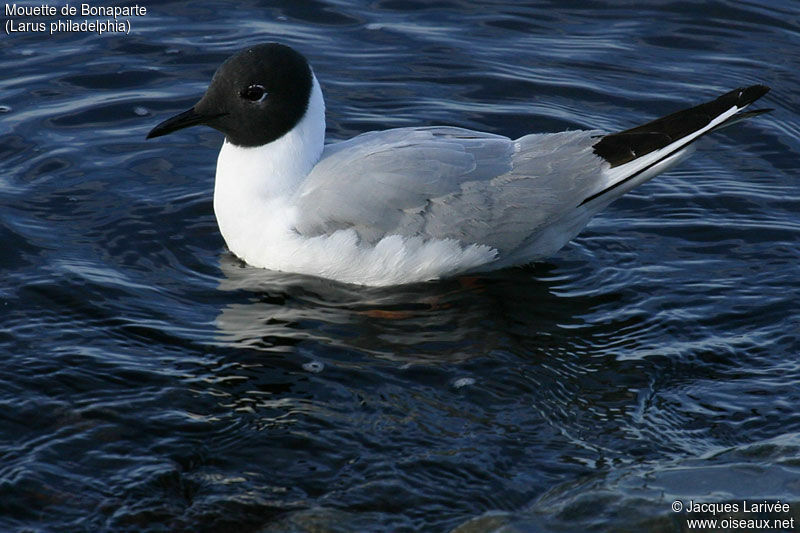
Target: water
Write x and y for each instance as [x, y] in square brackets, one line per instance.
[151, 382]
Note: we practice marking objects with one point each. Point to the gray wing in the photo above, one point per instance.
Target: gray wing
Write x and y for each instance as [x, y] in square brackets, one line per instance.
[444, 182]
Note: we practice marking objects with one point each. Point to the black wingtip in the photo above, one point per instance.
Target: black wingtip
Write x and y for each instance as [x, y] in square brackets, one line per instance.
[754, 92]
[745, 95]
[620, 148]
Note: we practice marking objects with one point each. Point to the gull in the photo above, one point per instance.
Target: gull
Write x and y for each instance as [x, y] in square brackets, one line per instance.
[417, 203]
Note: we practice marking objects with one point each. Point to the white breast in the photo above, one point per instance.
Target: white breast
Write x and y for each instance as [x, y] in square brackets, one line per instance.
[252, 184]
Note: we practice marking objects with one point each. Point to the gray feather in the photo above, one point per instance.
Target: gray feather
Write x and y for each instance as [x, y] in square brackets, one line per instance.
[445, 182]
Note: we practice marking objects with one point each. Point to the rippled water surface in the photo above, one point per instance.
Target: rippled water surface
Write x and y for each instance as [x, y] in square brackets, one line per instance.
[151, 382]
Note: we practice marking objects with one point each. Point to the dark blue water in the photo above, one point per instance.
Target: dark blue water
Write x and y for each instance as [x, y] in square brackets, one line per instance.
[151, 382]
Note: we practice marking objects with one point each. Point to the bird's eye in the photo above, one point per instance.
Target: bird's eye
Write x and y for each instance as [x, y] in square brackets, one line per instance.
[254, 93]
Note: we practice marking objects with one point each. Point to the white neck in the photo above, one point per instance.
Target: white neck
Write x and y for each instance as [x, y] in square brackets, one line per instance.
[278, 167]
[250, 180]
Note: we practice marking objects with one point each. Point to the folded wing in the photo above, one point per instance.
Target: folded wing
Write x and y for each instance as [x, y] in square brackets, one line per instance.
[451, 183]
[523, 198]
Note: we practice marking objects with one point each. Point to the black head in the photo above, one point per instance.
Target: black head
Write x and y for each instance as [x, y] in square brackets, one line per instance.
[255, 97]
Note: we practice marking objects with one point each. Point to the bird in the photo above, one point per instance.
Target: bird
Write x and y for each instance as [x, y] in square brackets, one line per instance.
[411, 204]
